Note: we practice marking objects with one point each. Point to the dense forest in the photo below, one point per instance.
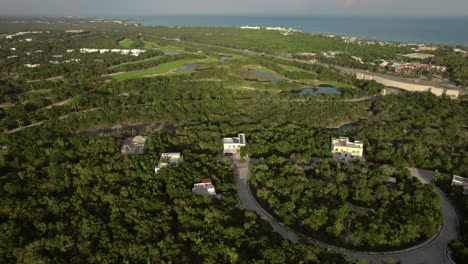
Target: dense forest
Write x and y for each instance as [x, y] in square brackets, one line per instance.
[351, 205]
[76, 199]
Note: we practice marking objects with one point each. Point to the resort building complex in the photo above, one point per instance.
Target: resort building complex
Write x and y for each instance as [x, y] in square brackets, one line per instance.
[234, 144]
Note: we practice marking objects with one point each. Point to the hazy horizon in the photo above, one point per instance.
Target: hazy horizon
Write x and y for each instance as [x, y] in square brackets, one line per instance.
[89, 8]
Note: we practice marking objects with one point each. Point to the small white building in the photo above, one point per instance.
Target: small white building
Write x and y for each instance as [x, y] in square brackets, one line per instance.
[32, 65]
[349, 149]
[169, 159]
[460, 181]
[233, 145]
[204, 188]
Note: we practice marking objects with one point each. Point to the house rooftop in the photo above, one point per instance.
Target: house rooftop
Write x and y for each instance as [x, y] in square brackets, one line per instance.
[204, 188]
[463, 181]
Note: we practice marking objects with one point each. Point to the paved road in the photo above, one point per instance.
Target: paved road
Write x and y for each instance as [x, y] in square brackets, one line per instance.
[432, 251]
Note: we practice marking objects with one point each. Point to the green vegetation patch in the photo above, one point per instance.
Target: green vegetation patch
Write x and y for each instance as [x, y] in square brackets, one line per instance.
[351, 205]
[135, 62]
[126, 43]
[289, 68]
[161, 69]
[148, 44]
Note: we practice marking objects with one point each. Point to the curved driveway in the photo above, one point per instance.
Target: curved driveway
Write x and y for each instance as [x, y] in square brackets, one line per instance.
[432, 251]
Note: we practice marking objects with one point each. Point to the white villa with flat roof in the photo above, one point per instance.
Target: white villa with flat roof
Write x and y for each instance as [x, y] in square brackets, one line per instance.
[169, 159]
[204, 188]
[460, 181]
[234, 144]
[349, 149]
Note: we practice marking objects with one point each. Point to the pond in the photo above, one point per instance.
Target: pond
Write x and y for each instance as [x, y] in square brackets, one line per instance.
[322, 89]
[222, 59]
[188, 67]
[343, 128]
[266, 74]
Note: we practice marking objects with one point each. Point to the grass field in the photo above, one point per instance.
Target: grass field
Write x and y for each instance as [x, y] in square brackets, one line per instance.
[171, 49]
[263, 69]
[126, 43]
[289, 68]
[135, 62]
[148, 44]
[161, 69]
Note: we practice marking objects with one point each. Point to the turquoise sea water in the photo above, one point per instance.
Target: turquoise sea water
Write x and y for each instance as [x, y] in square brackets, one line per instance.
[440, 30]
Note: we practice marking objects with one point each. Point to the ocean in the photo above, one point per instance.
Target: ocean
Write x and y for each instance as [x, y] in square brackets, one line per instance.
[437, 30]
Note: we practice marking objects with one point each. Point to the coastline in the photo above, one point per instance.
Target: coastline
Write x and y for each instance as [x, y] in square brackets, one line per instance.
[419, 30]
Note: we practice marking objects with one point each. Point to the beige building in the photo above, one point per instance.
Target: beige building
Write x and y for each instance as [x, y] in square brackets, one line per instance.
[346, 148]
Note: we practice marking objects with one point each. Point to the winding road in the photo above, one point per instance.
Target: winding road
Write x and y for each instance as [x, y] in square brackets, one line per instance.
[432, 251]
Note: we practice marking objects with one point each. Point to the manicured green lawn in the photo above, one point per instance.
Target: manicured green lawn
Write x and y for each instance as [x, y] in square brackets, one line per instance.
[289, 68]
[148, 44]
[171, 49]
[161, 69]
[126, 43]
[135, 62]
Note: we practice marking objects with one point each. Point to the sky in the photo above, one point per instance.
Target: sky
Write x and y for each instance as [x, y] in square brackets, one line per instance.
[234, 7]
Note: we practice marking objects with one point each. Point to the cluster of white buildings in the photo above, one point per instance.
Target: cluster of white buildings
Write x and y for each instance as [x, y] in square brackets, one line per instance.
[249, 27]
[284, 31]
[74, 31]
[463, 52]
[32, 65]
[331, 53]
[133, 52]
[24, 33]
[409, 68]
[355, 40]
[136, 145]
[65, 61]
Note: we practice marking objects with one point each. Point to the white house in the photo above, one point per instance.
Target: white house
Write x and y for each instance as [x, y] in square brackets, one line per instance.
[347, 148]
[169, 159]
[233, 145]
[204, 188]
[460, 181]
[32, 65]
